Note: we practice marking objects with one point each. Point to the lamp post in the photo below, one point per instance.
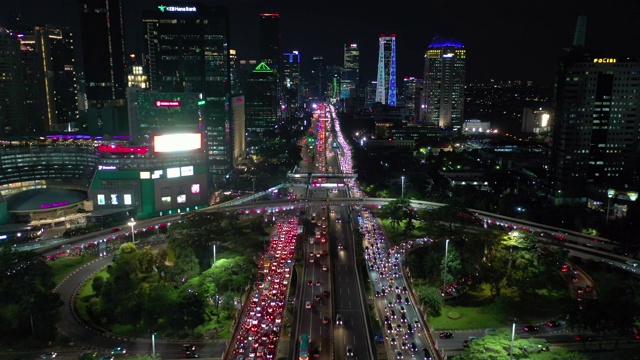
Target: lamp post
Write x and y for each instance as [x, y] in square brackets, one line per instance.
[133, 234]
[153, 344]
[444, 276]
[214, 253]
[610, 194]
[513, 334]
[402, 177]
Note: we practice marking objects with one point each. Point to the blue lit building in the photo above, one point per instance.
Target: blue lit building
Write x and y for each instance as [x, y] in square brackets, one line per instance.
[386, 80]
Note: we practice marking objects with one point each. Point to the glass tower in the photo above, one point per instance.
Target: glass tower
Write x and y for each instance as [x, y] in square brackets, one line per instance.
[386, 81]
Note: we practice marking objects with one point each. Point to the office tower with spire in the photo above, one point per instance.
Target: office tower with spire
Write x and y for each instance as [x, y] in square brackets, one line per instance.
[102, 32]
[188, 52]
[386, 80]
[444, 75]
[350, 71]
[596, 132]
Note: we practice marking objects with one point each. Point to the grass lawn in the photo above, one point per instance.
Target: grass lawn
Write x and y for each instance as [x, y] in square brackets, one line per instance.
[476, 310]
[63, 267]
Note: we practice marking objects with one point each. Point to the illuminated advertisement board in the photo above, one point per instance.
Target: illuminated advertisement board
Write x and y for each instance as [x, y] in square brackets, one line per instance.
[177, 142]
[168, 103]
[173, 173]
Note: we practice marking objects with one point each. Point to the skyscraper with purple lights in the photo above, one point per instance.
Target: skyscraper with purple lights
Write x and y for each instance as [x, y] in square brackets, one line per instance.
[386, 81]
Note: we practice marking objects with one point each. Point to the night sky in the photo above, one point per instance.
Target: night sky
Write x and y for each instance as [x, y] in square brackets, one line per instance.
[505, 40]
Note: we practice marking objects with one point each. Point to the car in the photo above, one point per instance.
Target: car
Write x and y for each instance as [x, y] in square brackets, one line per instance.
[386, 319]
[108, 357]
[307, 305]
[119, 351]
[426, 354]
[392, 313]
[349, 351]
[325, 320]
[402, 309]
[409, 328]
[399, 354]
[188, 347]
[340, 247]
[636, 333]
[416, 322]
[339, 319]
[403, 317]
[489, 331]
[446, 335]
[414, 347]
[583, 338]
[191, 355]
[309, 283]
[553, 323]
[575, 279]
[316, 298]
[389, 328]
[325, 293]
[530, 328]
[588, 288]
[404, 345]
[393, 340]
[406, 301]
[325, 268]
[316, 353]
[49, 355]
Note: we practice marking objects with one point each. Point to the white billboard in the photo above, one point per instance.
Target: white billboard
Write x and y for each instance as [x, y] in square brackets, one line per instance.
[177, 142]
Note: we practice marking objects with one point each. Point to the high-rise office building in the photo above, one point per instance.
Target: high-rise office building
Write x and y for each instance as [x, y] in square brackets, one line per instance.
[269, 40]
[444, 75]
[103, 49]
[412, 87]
[291, 80]
[56, 49]
[261, 100]
[188, 51]
[318, 78]
[12, 96]
[386, 80]
[102, 31]
[596, 129]
[350, 71]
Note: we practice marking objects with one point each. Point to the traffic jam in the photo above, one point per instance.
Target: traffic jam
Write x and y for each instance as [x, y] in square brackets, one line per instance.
[261, 323]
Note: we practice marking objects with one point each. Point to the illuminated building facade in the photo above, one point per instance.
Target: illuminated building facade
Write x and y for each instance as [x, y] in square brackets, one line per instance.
[188, 50]
[444, 76]
[261, 99]
[536, 120]
[596, 129]
[102, 32]
[386, 80]
[12, 96]
[291, 86]
[350, 71]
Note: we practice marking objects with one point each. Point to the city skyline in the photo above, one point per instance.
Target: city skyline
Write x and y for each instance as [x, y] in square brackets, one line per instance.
[516, 41]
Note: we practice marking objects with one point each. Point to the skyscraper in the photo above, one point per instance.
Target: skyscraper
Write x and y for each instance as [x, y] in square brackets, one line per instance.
[444, 74]
[411, 93]
[270, 40]
[350, 71]
[386, 80]
[102, 31]
[261, 101]
[318, 83]
[12, 111]
[57, 56]
[188, 51]
[596, 132]
[291, 79]
[103, 49]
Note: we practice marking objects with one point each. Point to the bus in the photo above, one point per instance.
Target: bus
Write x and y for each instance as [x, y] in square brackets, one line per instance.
[304, 347]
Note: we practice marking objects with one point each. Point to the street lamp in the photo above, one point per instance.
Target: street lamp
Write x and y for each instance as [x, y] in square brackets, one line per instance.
[214, 253]
[153, 344]
[610, 193]
[444, 276]
[402, 177]
[133, 236]
[513, 334]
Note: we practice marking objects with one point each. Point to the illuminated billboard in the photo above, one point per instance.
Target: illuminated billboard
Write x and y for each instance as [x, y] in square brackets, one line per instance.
[177, 142]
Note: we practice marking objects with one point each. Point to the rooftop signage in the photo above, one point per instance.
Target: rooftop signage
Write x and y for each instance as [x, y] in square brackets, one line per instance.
[605, 61]
[119, 149]
[165, 8]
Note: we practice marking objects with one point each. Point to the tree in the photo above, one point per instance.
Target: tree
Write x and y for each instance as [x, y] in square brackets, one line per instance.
[397, 211]
[97, 284]
[192, 306]
[497, 346]
[431, 298]
[453, 265]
